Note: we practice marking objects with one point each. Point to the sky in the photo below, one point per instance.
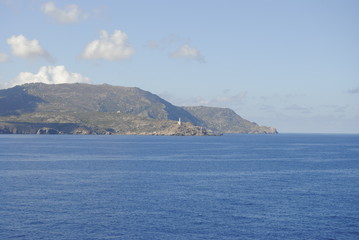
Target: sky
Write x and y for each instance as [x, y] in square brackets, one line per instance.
[289, 64]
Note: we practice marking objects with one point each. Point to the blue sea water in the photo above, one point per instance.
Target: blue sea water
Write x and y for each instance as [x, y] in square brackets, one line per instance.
[286, 186]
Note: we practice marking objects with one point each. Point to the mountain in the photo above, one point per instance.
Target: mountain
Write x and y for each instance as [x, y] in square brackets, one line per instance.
[39, 97]
[106, 109]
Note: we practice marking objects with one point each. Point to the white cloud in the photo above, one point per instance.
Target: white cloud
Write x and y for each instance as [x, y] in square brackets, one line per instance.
[188, 52]
[22, 47]
[166, 42]
[180, 47]
[114, 47]
[3, 57]
[49, 75]
[70, 14]
[152, 44]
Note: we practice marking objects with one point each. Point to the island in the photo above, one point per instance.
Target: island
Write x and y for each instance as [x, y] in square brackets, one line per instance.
[38, 108]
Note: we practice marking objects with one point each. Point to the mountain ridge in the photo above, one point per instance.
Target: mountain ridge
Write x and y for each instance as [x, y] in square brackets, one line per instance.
[104, 102]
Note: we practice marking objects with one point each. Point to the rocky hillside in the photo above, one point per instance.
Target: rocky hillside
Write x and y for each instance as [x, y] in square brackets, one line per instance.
[226, 121]
[106, 109]
[96, 123]
[39, 97]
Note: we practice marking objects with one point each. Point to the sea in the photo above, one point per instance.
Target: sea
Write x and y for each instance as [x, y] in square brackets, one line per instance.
[284, 186]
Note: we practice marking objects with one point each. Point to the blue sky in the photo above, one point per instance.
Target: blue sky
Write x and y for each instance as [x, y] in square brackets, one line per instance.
[293, 65]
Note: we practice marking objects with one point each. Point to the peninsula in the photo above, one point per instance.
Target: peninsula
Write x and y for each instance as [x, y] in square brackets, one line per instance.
[39, 108]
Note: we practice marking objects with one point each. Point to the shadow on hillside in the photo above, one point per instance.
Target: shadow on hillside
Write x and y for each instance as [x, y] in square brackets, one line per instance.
[16, 101]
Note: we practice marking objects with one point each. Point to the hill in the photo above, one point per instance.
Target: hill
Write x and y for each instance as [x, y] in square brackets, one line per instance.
[226, 120]
[106, 109]
[39, 97]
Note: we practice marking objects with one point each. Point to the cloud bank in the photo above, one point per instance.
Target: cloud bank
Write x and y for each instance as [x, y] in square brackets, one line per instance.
[109, 47]
[355, 90]
[49, 75]
[70, 14]
[188, 52]
[3, 57]
[225, 100]
[29, 49]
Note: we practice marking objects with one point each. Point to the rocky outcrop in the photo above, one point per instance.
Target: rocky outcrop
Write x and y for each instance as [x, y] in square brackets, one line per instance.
[46, 130]
[264, 130]
[186, 129]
